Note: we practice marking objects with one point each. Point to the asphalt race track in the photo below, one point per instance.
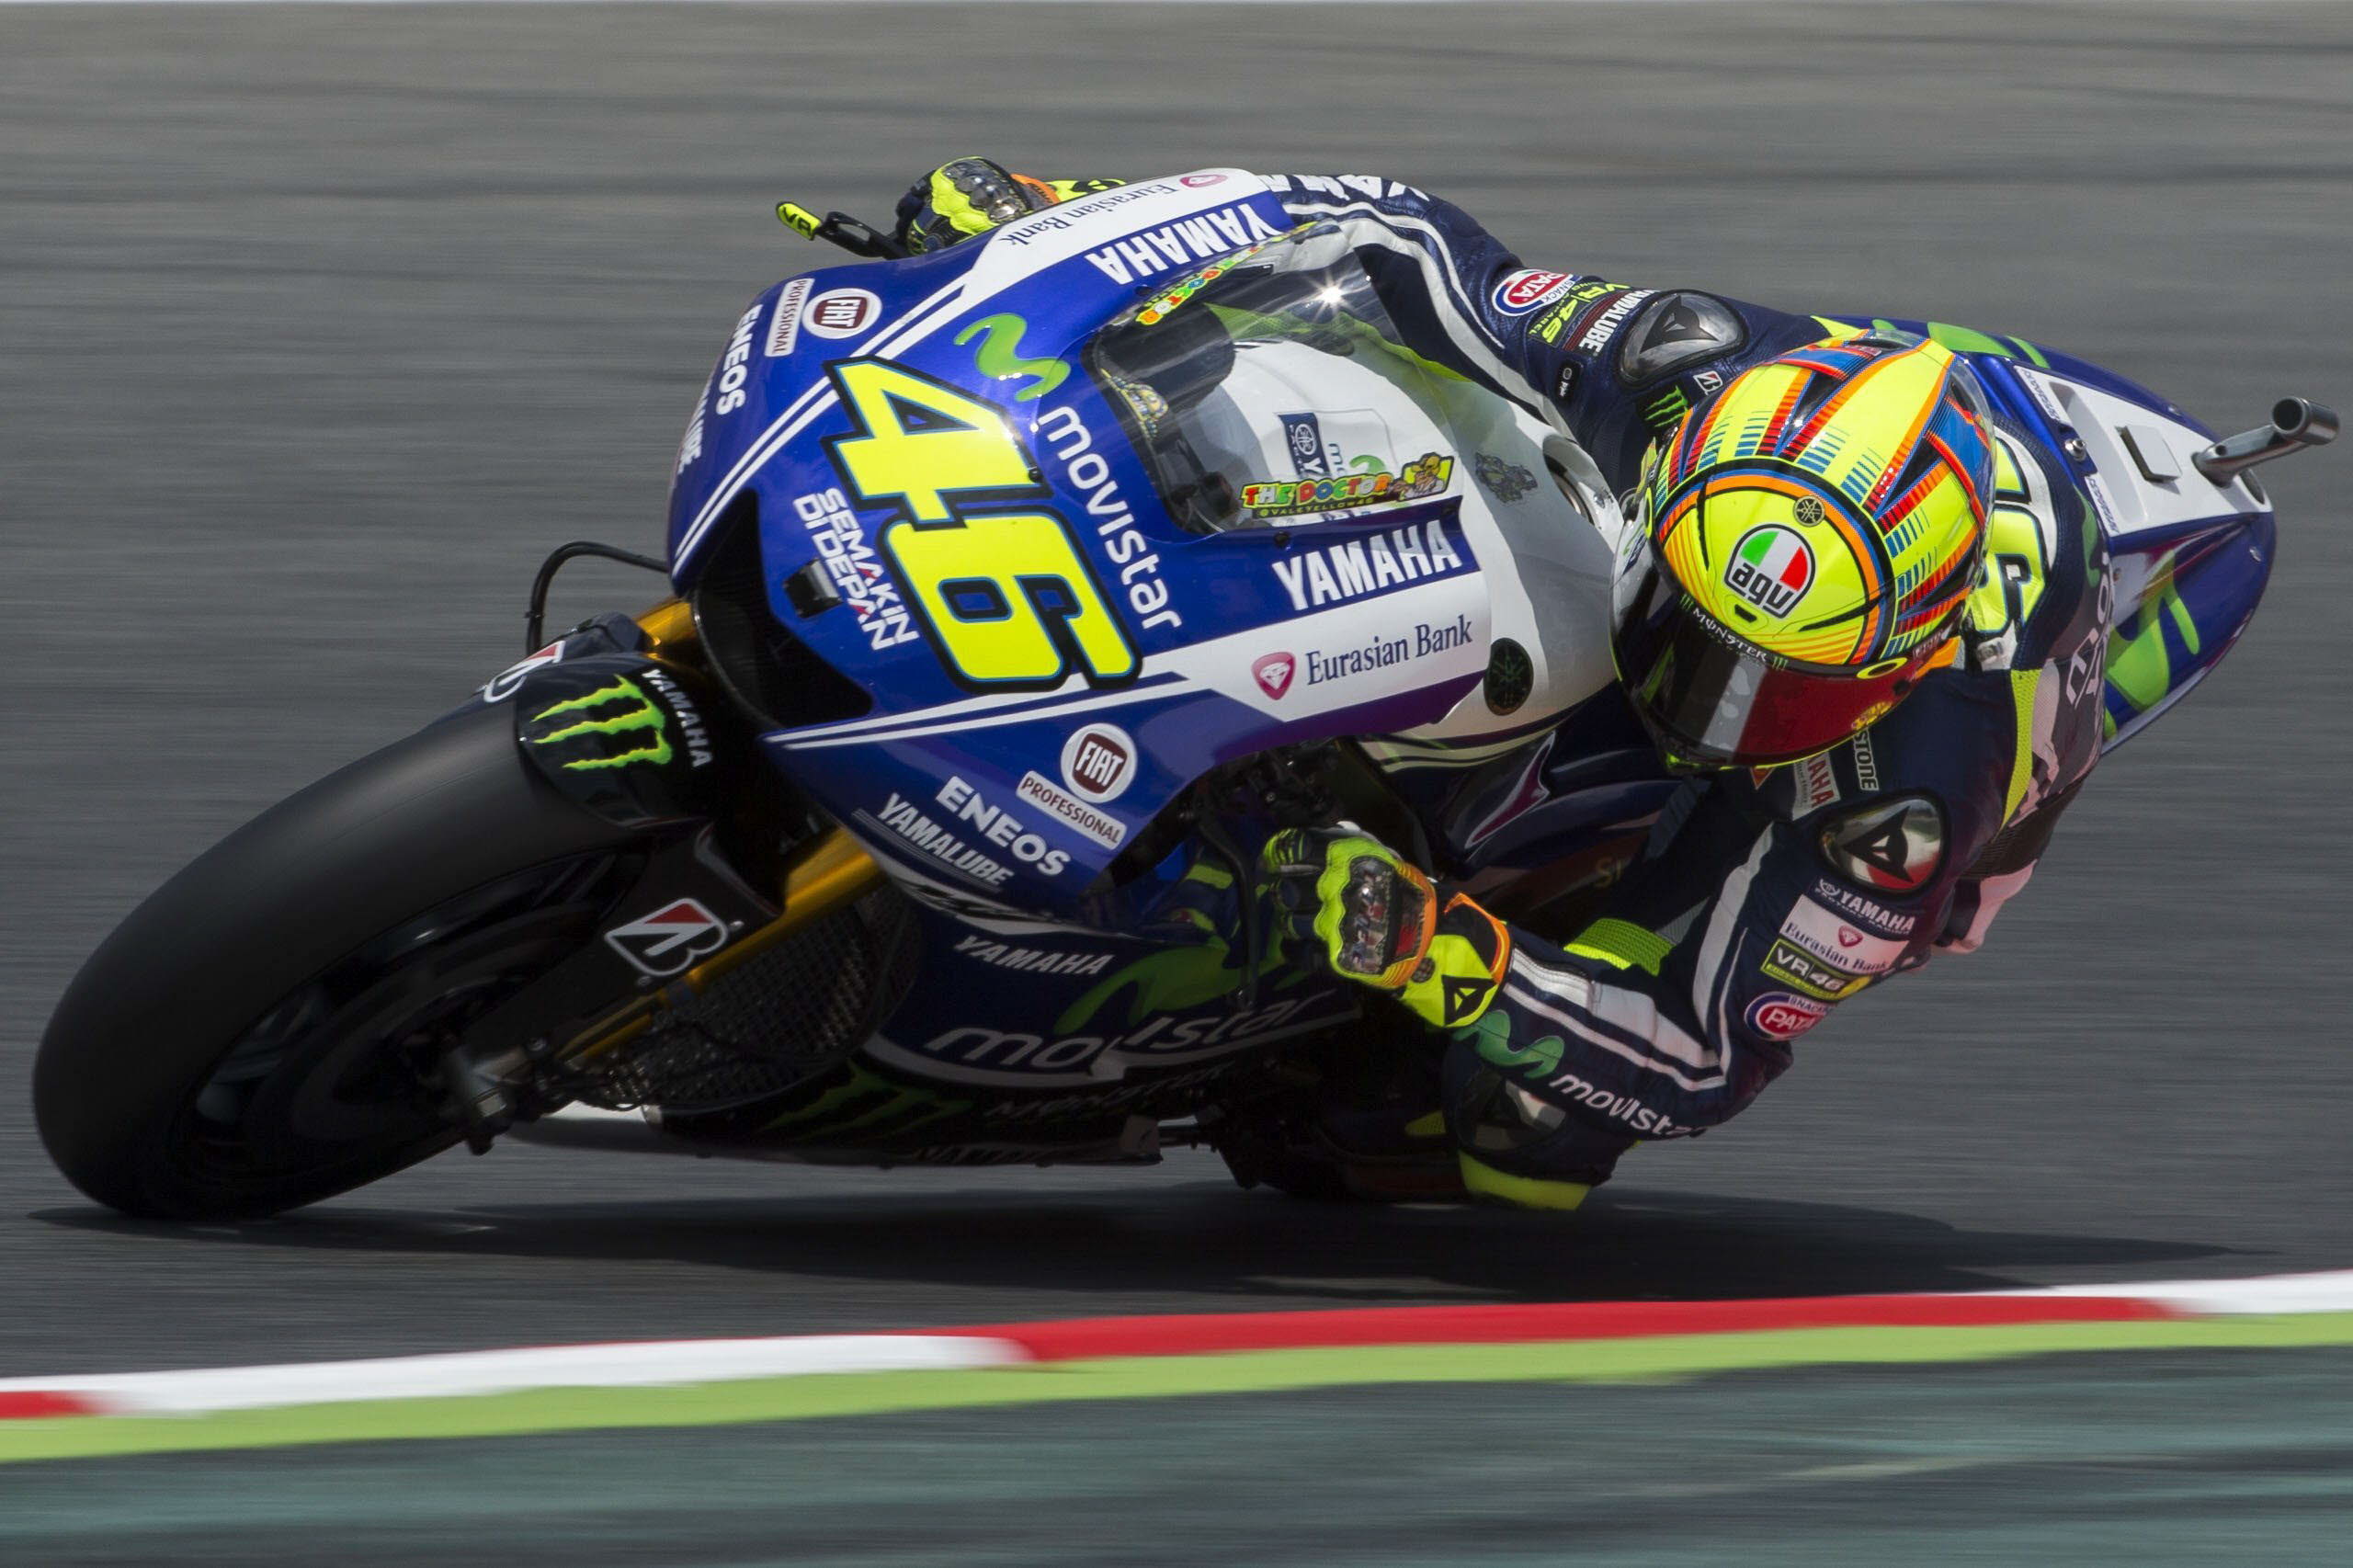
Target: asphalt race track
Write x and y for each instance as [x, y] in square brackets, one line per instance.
[320, 326]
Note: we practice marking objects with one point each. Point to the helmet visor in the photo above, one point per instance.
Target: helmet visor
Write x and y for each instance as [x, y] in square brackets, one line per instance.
[1710, 699]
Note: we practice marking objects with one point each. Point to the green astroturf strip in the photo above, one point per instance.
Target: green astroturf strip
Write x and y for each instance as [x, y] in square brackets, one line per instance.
[862, 1393]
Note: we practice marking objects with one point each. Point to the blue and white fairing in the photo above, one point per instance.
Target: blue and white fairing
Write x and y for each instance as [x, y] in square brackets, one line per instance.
[2188, 558]
[1363, 620]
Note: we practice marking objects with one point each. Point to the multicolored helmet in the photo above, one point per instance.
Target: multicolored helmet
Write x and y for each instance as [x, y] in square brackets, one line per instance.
[1803, 550]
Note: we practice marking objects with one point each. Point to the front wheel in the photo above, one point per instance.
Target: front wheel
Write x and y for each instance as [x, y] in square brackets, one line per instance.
[265, 1030]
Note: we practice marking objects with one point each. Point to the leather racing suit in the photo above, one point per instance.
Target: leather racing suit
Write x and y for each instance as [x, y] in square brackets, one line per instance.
[1765, 898]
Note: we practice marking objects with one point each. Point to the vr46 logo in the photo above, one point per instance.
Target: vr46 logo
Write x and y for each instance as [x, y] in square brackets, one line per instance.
[1005, 597]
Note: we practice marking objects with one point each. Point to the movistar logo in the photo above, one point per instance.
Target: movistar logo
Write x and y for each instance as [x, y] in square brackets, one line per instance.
[999, 356]
[620, 709]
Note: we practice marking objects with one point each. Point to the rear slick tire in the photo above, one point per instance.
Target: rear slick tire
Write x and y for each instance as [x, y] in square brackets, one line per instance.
[249, 1038]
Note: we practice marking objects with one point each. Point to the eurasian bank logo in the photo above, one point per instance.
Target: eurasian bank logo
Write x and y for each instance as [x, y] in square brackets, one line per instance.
[618, 710]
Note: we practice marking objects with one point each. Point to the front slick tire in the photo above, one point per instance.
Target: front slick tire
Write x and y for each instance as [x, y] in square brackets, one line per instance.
[261, 1032]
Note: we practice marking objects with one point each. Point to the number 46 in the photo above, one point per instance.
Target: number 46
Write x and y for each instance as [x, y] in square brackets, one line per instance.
[1005, 597]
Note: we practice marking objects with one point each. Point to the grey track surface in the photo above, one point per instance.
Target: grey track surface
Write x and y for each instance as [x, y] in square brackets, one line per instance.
[2175, 1461]
[319, 326]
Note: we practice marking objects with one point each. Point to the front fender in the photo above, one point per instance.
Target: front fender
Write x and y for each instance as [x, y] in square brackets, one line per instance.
[637, 740]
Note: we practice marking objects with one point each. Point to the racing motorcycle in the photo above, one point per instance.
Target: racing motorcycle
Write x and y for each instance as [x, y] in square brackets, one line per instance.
[1021, 591]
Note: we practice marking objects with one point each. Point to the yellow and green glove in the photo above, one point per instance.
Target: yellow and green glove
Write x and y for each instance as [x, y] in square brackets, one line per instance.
[971, 196]
[1377, 919]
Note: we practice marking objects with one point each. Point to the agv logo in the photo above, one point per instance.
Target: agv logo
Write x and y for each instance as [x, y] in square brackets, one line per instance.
[1770, 568]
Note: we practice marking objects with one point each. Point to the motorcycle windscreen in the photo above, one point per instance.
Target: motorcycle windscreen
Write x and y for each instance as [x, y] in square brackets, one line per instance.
[1271, 389]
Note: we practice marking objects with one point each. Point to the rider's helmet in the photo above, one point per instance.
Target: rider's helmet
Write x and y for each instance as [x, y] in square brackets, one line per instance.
[1801, 549]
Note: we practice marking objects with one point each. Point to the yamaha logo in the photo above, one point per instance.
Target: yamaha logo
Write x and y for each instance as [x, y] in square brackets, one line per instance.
[1100, 763]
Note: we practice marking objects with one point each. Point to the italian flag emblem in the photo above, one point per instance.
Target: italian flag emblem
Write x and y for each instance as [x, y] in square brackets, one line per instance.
[1770, 568]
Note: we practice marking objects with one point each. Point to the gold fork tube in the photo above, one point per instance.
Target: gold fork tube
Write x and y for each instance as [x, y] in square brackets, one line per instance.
[820, 877]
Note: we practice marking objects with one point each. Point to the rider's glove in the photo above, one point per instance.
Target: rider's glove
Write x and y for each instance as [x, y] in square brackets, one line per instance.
[1376, 919]
[971, 196]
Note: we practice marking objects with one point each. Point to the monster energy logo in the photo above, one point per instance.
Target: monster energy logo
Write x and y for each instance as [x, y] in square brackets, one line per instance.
[619, 709]
[854, 1100]
[1660, 412]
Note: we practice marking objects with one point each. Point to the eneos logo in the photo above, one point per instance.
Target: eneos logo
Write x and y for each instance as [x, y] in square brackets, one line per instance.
[1770, 568]
[1519, 292]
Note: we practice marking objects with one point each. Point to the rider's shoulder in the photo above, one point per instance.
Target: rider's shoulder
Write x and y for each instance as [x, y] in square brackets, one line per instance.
[1936, 771]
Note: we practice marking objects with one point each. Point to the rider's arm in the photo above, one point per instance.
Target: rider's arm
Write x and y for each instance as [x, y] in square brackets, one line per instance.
[1604, 362]
[1760, 907]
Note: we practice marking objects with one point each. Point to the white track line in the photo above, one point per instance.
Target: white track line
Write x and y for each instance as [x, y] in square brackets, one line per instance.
[511, 1371]
[726, 1361]
[2329, 1293]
